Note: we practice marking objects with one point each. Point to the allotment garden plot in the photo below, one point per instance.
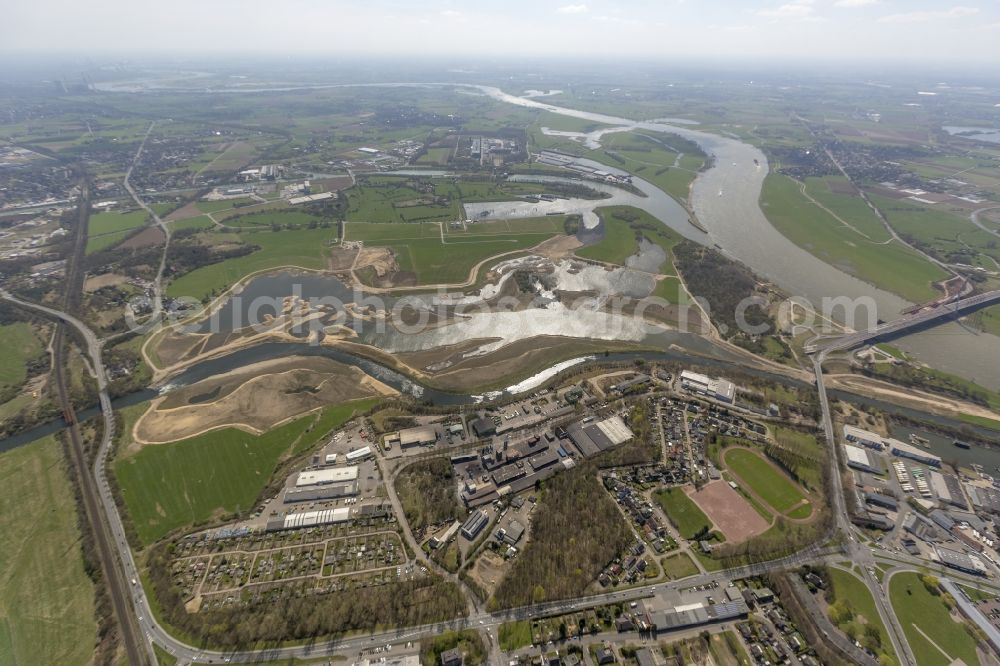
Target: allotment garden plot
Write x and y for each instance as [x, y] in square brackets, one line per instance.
[219, 572]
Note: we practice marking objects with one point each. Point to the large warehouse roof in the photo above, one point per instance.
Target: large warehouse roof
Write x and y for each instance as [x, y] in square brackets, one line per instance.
[312, 518]
[315, 477]
[417, 436]
[615, 430]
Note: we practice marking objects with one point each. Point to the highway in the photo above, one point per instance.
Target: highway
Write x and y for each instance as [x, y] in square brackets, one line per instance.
[895, 327]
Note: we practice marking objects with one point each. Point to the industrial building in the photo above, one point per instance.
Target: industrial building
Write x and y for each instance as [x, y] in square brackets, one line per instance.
[359, 454]
[984, 499]
[948, 489]
[484, 428]
[867, 438]
[311, 198]
[720, 389]
[291, 521]
[474, 524]
[901, 450]
[330, 475]
[960, 561]
[511, 534]
[421, 436]
[318, 493]
[438, 541]
[859, 459]
[883, 501]
[596, 437]
[696, 614]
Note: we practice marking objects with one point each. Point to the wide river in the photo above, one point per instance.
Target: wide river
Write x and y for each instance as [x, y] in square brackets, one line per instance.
[736, 222]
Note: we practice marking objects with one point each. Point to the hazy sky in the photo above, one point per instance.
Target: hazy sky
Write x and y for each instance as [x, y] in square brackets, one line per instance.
[853, 29]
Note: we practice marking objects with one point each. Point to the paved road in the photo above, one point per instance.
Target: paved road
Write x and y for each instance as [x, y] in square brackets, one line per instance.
[856, 552]
[158, 280]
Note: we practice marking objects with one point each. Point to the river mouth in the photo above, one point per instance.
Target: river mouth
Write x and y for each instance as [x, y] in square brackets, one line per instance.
[734, 221]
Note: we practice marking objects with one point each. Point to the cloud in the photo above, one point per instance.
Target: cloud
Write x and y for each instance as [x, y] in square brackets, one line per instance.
[959, 11]
[573, 9]
[855, 3]
[796, 10]
[451, 13]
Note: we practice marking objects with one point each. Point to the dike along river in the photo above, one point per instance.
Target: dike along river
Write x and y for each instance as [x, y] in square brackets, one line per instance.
[718, 360]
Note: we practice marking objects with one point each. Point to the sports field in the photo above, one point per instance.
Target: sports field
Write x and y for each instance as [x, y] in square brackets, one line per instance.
[682, 512]
[46, 599]
[934, 637]
[764, 479]
[169, 486]
[730, 512]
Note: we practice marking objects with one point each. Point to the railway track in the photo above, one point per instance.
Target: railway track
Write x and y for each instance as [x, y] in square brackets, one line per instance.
[89, 493]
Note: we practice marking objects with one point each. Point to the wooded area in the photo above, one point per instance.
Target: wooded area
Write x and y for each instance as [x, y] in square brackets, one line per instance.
[577, 529]
[426, 489]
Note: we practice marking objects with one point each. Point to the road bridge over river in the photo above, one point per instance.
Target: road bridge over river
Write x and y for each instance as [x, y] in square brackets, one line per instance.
[903, 324]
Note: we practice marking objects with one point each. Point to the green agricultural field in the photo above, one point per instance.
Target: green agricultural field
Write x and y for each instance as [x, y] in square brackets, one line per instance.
[798, 442]
[419, 249]
[170, 486]
[777, 490]
[943, 232]
[106, 223]
[892, 266]
[266, 218]
[21, 345]
[683, 512]
[226, 204]
[435, 156]
[376, 234]
[200, 222]
[850, 208]
[928, 625]
[855, 608]
[388, 199]
[46, 598]
[305, 248]
[623, 227]
[652, 158]
[619, 243]
[678, 565]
